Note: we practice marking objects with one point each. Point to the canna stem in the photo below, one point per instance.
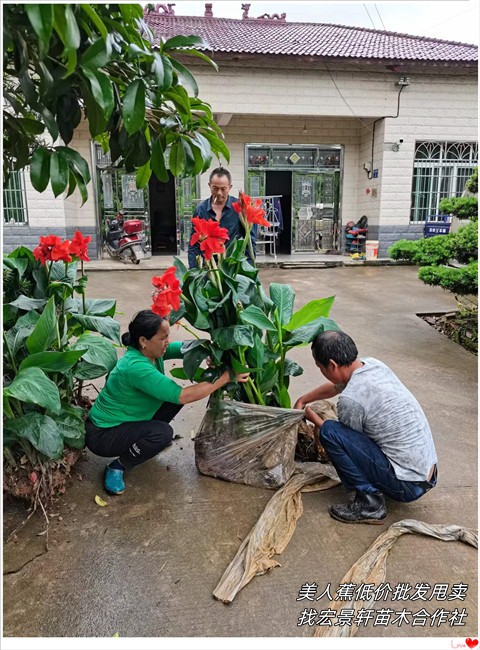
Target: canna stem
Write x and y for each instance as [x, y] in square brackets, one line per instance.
[188, 329]
[216, 275]
[10, 354]
[49, 273]
[83, 289]
[250, 385]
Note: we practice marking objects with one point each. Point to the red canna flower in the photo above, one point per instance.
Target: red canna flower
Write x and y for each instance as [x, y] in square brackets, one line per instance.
[251, 213]
[61, 252]
[211, 235]
[167, 293]
[79, 246]
[52, 249]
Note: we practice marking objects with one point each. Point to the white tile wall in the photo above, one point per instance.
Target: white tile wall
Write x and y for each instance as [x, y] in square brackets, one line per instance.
[76, 214]
[43, 208]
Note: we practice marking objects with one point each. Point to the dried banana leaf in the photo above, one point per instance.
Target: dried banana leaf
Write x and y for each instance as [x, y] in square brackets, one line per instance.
[273, 530]
[371, 567]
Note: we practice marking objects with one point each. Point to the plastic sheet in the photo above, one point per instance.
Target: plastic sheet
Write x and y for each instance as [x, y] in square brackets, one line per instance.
[246, 443]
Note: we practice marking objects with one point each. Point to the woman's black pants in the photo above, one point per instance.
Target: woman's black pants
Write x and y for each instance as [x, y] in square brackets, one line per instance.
[133, 442]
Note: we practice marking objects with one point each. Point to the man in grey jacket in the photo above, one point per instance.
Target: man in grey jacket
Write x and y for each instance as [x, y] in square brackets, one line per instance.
[382, 443]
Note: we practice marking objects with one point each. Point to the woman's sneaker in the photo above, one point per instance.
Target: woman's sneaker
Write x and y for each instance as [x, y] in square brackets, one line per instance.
[113, 481]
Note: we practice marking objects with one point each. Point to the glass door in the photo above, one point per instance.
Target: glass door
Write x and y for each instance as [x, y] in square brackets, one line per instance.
[305, 189]
[315, 211]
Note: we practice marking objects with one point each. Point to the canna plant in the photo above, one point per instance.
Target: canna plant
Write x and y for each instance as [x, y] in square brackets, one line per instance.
[50, 349]
[249, 331]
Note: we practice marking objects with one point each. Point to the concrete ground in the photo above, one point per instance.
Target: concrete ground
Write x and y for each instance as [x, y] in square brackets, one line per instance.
[147, 564]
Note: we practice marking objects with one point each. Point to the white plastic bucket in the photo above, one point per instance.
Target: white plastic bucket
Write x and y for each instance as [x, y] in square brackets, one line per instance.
[371, 249]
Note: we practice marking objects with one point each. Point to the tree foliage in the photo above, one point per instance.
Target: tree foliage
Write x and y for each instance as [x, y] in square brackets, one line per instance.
[63, 62]
[465, 243]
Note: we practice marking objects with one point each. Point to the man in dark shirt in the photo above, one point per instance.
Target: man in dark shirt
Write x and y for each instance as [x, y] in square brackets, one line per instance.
[219, 207]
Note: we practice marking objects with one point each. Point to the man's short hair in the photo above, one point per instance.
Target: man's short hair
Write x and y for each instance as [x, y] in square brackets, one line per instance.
[334, 345]
[220, 171]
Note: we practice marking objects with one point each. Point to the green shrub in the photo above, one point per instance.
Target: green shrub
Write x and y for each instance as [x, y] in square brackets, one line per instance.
[460, 281]
[462, 207]
[424, 252]
[403, 249]
[434, 253]
[472, 184]
[465, 243]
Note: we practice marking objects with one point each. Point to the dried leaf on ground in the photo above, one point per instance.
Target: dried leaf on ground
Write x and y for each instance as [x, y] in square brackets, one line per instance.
[371, 567]
[273, 530]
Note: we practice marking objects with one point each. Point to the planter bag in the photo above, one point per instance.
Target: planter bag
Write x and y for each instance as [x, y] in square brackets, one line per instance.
[246, 443]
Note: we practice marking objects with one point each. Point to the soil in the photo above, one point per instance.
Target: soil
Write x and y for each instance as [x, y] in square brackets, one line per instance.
[458, 326]
[42, 482]
[48, 479]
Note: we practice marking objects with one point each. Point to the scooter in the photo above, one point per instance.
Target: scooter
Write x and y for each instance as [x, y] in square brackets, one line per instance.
[125, 239]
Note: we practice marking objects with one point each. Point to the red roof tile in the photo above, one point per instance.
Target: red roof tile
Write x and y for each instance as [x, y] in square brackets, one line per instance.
[284, 38]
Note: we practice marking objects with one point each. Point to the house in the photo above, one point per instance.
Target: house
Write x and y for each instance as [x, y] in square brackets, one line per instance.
[337, 121]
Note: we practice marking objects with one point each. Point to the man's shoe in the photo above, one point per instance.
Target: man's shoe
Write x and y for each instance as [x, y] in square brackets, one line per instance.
[366, 508]
[113, 481]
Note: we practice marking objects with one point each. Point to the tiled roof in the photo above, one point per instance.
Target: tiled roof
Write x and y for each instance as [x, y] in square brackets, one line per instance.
[256, 36]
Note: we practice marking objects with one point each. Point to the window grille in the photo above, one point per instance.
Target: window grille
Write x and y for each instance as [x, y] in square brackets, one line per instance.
[440, 170]
[14, 200]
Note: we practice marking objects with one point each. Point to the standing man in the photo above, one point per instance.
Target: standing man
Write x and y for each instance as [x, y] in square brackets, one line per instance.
[382, 443]
[219, 207]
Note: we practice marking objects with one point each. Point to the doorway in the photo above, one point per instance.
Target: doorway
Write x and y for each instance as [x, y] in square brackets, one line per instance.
[163, 218]
[279, 183]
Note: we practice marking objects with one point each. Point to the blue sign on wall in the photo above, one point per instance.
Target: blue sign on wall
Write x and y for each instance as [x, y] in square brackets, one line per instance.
[375, 173]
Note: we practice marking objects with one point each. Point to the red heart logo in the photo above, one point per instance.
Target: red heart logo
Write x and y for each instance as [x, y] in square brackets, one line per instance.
[471, 642]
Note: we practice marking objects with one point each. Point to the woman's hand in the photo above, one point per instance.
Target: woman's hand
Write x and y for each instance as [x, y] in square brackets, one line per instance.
[205, 388]
[241, 378]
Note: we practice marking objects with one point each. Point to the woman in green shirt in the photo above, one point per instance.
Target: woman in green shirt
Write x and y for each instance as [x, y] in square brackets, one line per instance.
[130, 417]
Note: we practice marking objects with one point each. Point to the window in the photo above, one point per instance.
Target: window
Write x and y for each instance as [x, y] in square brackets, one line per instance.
[440, 170]
[14, 200]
